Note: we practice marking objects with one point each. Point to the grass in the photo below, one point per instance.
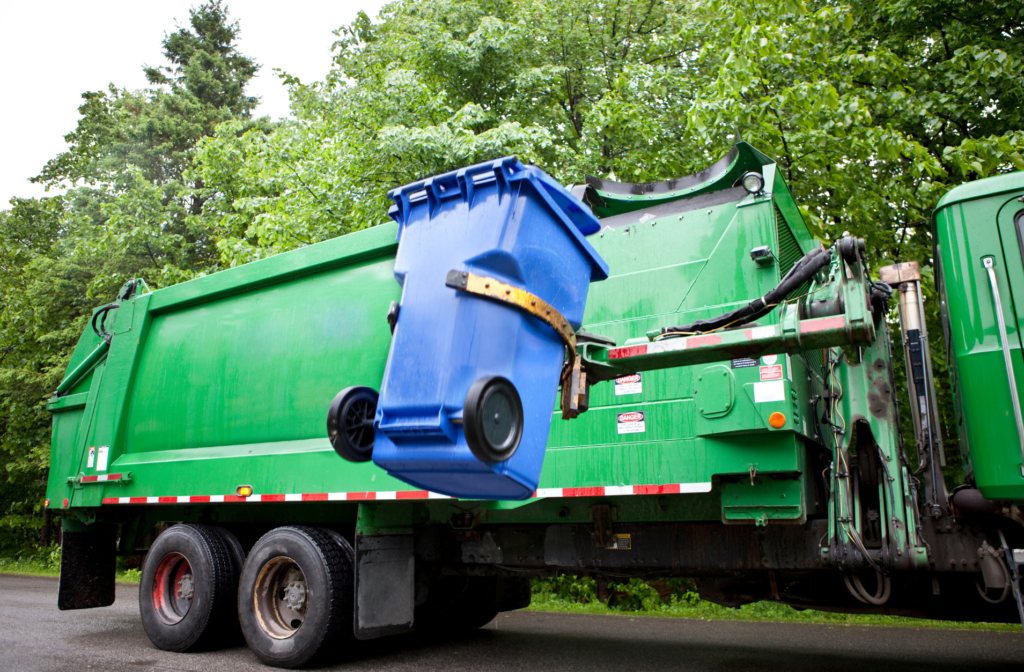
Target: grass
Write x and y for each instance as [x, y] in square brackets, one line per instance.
[49, 565]
[571, 595]
[759, 611]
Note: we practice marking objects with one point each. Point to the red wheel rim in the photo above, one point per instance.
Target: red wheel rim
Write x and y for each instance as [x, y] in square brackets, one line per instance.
[173, 588]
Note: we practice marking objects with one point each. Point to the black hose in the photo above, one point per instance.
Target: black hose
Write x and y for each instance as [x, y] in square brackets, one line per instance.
[100, 328]
[801, 272]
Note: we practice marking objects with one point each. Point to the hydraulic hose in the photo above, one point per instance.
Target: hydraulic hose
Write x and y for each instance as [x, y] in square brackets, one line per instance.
[101, 315]
[882, 592]
[801, 272]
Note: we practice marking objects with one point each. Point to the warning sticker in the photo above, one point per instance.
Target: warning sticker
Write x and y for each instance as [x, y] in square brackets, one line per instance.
[630, 423]
[743, 363]
[92, 457]
[771, 372]
[631, 384]
[101, 458]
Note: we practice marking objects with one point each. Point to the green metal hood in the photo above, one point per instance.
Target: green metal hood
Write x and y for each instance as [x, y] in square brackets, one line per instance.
[607, 198]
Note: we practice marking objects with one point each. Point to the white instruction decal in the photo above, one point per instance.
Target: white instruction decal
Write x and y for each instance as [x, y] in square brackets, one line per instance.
[757, 333]
[768, 360]
[101, 458]
[630, 423]
[632, 384]
[92, 457]
[771, 391]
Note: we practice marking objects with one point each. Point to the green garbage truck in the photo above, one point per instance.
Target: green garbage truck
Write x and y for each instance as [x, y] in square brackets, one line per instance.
[727, 411]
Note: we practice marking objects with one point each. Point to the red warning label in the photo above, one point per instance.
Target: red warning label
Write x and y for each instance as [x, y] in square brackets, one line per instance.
[631, 423]
[771, 372]
[632, 384]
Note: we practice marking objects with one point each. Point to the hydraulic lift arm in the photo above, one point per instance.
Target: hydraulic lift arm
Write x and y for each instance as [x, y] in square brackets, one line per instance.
[836, 312]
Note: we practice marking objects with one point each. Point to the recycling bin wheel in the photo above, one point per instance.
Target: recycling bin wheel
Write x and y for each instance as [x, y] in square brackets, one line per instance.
[350, 423]
[492, 419]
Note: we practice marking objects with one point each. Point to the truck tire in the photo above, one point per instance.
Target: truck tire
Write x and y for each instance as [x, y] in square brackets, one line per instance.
[456, 605]
[295, 596]
[233, 631]
[188, 589]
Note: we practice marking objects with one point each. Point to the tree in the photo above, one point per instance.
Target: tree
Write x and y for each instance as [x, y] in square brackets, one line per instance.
[438, 85]
[132, 209]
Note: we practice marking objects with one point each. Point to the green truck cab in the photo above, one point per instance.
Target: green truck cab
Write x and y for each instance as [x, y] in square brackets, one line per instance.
[974, 223]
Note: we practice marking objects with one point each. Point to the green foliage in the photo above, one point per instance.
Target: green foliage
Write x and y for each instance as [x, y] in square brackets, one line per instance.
[566, 588]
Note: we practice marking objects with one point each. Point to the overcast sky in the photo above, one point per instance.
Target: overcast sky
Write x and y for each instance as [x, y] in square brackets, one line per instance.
[52, 51]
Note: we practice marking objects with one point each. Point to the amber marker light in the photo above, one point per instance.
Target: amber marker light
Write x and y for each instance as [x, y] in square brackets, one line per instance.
[46, 503]
[243, 490]
[777, 420]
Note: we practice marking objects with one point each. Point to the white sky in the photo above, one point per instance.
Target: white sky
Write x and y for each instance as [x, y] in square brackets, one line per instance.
[53, 51]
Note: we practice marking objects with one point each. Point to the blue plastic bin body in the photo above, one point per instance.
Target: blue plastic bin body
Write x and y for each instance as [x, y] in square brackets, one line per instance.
[503, 220]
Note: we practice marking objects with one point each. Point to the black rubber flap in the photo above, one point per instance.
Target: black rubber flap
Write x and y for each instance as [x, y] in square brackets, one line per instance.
[87, 567]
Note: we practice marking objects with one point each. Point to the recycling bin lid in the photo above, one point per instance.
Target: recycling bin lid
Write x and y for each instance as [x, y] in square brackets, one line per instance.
[573, 214]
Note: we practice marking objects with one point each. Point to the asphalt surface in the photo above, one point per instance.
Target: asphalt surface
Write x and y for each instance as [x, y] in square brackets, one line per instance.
[35, 636]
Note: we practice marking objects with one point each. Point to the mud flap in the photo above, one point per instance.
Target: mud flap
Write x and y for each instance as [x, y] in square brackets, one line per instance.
[87, 566]
[385, 585]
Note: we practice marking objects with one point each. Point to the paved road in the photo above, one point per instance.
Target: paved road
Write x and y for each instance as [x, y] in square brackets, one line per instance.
[35, 636]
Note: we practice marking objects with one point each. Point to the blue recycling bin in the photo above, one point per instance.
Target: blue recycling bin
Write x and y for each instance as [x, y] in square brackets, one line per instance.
[459, 363]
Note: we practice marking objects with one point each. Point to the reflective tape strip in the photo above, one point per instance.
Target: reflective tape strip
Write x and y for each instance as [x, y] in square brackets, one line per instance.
[101, 478]
[618, 490]
[595, 491]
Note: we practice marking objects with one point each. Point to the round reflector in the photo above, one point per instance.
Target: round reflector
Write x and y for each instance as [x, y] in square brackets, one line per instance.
[777, 420]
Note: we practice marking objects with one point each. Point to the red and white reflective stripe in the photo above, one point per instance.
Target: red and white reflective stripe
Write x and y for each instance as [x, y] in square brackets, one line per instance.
[100, 479]
[617, 490]
[666, 345]
[598, 491]
[823, 324]
[303, 497]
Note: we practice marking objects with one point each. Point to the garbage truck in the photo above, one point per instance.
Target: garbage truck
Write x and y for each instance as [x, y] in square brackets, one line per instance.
[399, 428]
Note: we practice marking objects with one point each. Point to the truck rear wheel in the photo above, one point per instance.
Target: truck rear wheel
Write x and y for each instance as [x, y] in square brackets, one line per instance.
[187, 593]
[295, 596]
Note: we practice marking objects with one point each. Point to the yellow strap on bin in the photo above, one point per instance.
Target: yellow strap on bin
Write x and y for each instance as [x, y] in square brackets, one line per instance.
[574, 378]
